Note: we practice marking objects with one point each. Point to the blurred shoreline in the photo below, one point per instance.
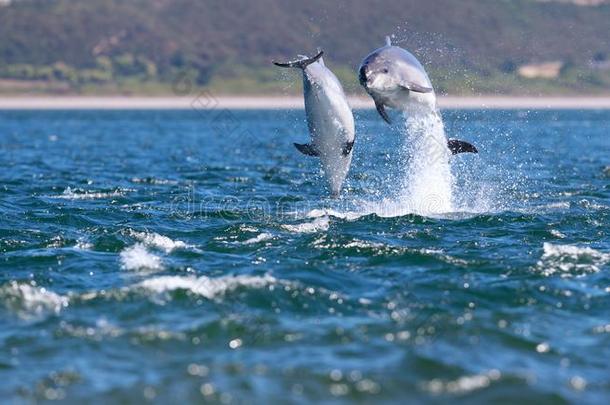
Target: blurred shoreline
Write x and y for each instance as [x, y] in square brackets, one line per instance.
[206, 101]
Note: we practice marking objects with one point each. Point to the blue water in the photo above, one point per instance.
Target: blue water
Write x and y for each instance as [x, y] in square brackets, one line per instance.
[191, 256]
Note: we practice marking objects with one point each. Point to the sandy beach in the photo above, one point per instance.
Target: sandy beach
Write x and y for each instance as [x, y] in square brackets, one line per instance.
[206, 101]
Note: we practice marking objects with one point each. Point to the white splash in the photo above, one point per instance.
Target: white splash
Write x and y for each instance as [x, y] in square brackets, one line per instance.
[137, 257]
[427, 180]
[347, 215]
[570, 260]
[205, 286]
[28, 300]
[320, 224]
[161, 242]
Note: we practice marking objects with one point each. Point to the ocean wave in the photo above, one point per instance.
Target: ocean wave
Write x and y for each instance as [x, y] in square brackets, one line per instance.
[320, 224]
[152, 180]
[80, 194]
[157, 241]
[137, 257]
[205, 286]
[348, 215]
[592, 205]
[263, 237]
[381, 249]
[83, 244]
[571, 260]
[30, 300]
[558, 234]
[390, 208]
[462, 385]
[103, 330]
[554, 206]
[159, 289]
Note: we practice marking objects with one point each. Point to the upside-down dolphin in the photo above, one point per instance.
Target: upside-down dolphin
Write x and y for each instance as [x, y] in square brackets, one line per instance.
[394, 78]
[329, 119]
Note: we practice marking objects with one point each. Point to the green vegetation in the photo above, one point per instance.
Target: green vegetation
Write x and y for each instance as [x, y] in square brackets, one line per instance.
[149, 47]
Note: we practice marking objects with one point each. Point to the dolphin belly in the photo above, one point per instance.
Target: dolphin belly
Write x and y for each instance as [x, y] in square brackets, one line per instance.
[332, 131]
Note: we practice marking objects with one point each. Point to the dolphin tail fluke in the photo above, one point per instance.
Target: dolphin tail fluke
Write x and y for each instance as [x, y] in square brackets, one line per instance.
[321, 60]
[456, 146]
[307, 149]
[381, 110]
[301, 63]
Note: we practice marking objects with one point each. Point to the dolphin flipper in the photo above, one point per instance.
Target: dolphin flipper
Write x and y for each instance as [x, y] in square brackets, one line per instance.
[347, 148]
[456, 146]
[416, 88]
[307, 149]
[381, 110]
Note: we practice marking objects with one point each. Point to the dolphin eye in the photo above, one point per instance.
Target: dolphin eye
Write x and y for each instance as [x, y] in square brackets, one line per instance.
[385, 70]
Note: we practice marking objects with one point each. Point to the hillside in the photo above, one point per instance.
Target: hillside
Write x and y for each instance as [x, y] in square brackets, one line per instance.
[146, 45]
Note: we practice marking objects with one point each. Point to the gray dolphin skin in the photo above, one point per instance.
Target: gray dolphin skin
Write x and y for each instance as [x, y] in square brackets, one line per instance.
[329, 119]
[394, 78]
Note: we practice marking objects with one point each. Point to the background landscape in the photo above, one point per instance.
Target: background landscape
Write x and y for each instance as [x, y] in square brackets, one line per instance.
[154, 47]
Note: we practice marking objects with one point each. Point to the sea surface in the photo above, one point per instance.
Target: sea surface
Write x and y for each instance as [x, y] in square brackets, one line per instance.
[190, 256]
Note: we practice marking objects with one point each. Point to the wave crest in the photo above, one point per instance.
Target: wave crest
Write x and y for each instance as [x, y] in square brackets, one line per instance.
[29, 300]
[205, 286]
[571, 260]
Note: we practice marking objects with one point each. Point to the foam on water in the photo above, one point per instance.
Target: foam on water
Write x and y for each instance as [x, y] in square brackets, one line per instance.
[161, 242]
[263, 237]
[29, 300]
[78, 194]
[137, 257]
[348, 215]
[319, 224]
[205, 286]
[570, 260]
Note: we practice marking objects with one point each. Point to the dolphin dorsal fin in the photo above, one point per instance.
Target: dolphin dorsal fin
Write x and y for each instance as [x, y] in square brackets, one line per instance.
[388, 40]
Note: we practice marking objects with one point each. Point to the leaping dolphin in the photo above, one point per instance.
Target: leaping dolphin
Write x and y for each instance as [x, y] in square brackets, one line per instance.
[329, 119]
[394, 78]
